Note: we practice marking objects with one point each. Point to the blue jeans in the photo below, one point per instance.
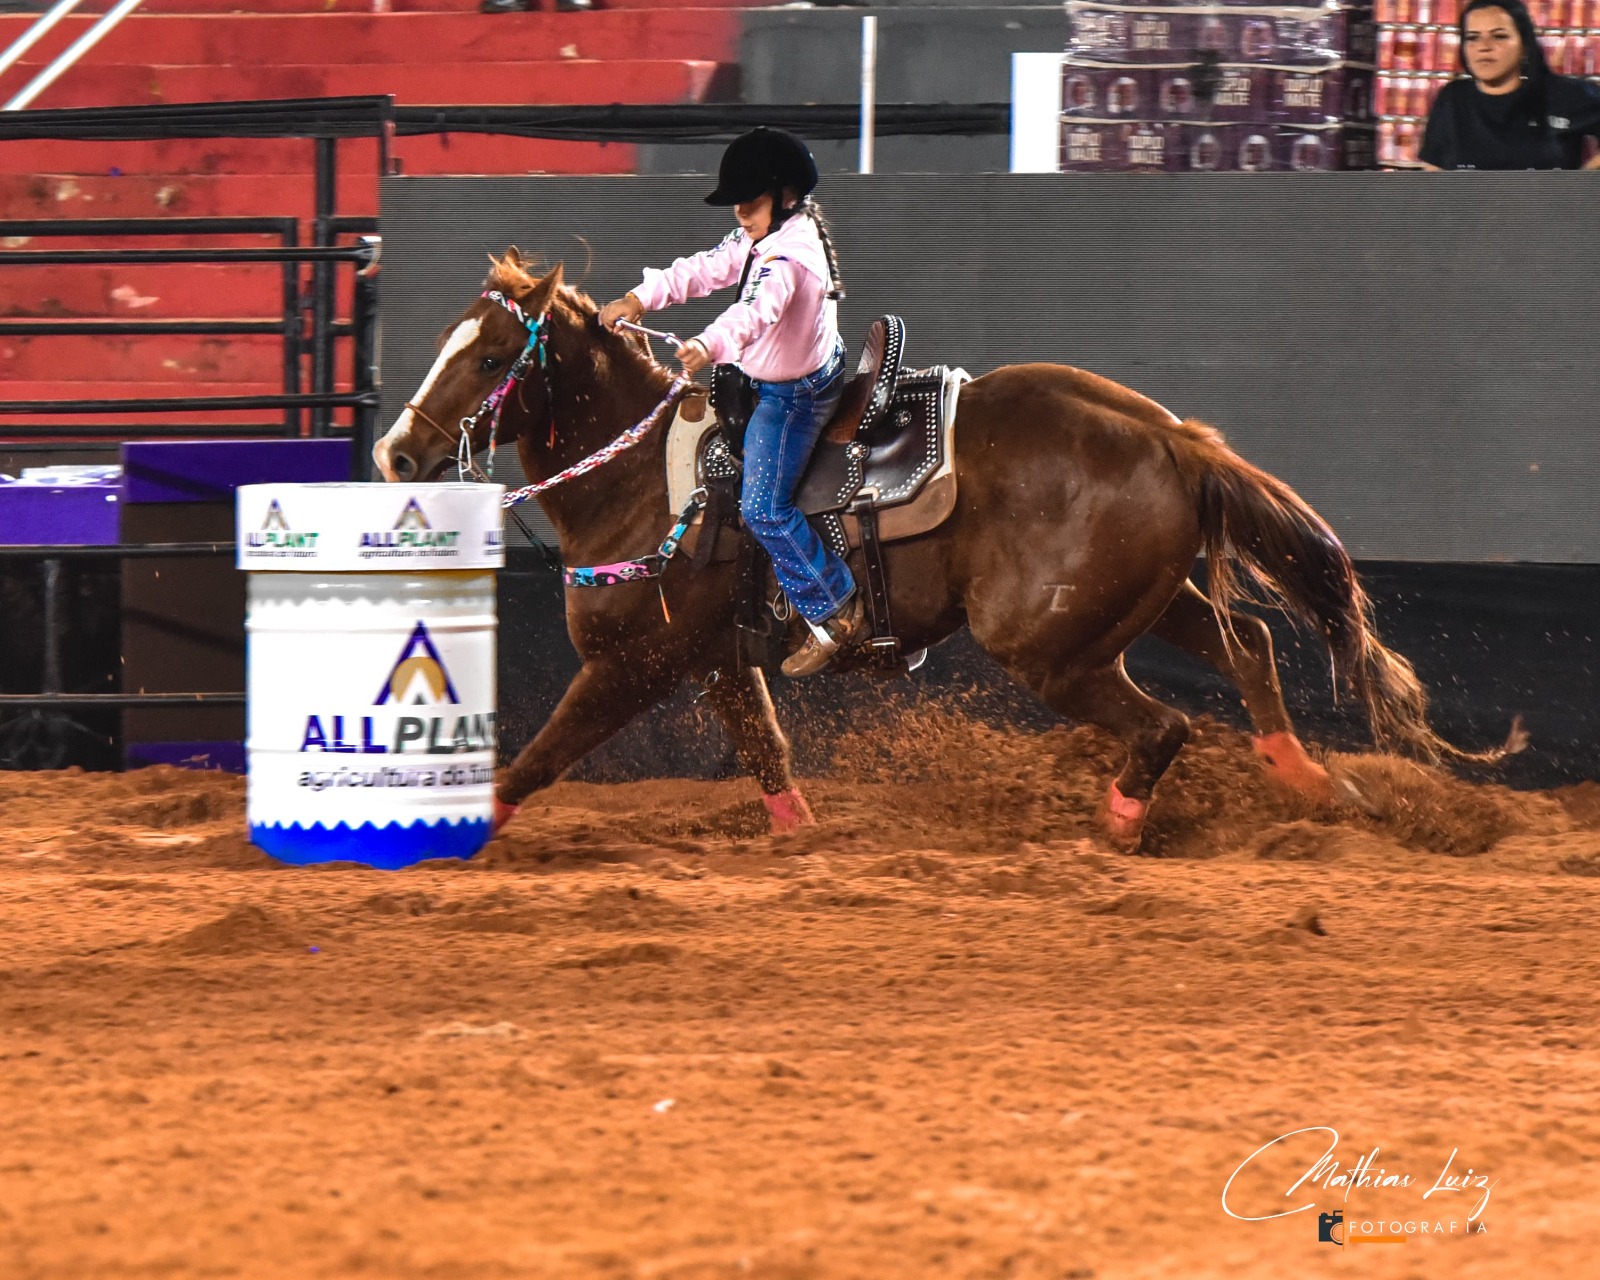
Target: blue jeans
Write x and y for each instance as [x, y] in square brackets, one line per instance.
[788, 418]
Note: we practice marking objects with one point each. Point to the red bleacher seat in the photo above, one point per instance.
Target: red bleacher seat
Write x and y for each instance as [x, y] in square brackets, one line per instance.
[422, 52]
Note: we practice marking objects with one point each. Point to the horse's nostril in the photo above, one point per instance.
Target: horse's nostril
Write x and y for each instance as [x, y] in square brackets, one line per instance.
[404, 466]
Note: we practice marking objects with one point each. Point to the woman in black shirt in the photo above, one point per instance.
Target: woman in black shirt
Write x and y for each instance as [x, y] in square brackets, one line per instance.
[1513, 113]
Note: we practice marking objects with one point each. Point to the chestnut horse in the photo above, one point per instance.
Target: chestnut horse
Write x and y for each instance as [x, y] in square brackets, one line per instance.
[1081, 509]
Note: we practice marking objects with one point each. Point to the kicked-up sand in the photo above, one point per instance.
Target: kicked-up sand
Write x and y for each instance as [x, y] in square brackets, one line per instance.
[942, 1034]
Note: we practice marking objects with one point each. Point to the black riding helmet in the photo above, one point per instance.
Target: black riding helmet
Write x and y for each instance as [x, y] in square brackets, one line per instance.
[764, 160]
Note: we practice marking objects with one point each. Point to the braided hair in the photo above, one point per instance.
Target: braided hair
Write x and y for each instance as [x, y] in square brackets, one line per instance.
[811, 209]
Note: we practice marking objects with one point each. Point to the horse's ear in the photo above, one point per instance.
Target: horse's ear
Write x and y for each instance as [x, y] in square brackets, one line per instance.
[514, 256]
[536, 298]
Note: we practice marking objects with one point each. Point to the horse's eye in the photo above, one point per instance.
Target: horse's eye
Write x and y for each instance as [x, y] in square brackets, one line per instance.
[490, 364]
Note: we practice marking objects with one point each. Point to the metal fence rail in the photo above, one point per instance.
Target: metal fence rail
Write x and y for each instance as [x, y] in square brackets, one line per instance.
[24, 701]
[217, 257]
[119, 431]
[294, 403]
[180, 404]
[110, 551]
[50, 557]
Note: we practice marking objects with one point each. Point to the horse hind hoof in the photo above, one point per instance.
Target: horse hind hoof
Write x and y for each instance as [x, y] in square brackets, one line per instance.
[503, 814]
[1287, 762]
[1122, 820]
[788, 811]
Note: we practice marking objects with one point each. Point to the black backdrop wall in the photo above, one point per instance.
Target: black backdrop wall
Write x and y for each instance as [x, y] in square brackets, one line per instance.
[1414, 354]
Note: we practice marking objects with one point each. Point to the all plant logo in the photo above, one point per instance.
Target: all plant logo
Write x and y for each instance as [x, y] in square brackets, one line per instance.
[276, 538]
[413, 516]
[418, 677]
[413, 533]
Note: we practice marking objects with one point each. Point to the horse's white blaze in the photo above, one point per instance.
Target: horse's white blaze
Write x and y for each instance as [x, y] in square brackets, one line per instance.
[465, 333]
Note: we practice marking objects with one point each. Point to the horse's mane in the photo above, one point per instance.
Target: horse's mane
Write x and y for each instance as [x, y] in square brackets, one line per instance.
[511, 277]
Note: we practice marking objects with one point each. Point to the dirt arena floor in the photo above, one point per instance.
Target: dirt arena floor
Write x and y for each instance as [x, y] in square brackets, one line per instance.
[941, 1035]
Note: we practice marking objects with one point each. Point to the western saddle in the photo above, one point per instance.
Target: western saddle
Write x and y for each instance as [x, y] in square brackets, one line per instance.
[883, 469]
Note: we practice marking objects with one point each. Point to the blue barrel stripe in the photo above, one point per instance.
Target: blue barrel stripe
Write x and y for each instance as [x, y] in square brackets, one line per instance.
[389, 847]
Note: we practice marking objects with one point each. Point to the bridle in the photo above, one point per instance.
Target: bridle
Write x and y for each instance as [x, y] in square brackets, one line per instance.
[537, 346]
[645, 567]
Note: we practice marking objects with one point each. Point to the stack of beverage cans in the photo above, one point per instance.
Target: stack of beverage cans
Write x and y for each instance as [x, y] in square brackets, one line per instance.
[1218, 87]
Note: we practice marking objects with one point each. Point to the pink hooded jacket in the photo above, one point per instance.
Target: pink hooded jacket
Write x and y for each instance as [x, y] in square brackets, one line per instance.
[784, 326]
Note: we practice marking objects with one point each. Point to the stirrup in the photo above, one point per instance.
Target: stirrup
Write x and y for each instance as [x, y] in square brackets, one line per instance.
[819, 632]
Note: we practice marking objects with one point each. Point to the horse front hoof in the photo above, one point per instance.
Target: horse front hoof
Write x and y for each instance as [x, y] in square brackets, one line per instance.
[1122, 820]
[1287, 762]
[788, 811]
[503, 814]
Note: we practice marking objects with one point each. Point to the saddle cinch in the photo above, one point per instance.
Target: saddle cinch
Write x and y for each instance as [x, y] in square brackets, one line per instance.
[883, 469]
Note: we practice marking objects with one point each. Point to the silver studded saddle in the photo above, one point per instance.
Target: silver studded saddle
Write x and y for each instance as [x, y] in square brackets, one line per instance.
[882, 470]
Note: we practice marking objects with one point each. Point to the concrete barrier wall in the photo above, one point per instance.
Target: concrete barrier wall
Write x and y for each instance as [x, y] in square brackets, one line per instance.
[1415, 354]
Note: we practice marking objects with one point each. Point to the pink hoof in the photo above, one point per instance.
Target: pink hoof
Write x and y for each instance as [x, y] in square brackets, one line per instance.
[788, 811]
[503, 813]
[1123, 819]
[1287, 761]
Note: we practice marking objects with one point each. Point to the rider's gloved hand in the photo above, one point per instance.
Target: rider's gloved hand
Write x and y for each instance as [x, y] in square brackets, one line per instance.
[693, 356]
[626, 307]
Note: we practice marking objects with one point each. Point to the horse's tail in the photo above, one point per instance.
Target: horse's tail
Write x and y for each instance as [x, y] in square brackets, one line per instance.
[1257, 530]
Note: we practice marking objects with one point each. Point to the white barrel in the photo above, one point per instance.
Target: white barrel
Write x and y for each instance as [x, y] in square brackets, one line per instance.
[371, 669]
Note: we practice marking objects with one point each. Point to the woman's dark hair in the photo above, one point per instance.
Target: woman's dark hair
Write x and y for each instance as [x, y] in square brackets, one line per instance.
[1536, 70]
[812, 210]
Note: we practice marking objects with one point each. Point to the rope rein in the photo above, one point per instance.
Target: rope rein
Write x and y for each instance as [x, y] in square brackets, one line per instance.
[537, 347]
[600, 457]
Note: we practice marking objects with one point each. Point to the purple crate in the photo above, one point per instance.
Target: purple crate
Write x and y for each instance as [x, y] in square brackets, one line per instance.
[210, 470]
[1226, 148]
[1173, 94]
[79, 514]
[1320, 147]
[1238, 93]
[1258, 35]
[1328, 95]
[1110, 93]
[1259, 148]
[1108, 146]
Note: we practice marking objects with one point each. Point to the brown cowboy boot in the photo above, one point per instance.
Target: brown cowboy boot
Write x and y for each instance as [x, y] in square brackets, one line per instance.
[843, 629]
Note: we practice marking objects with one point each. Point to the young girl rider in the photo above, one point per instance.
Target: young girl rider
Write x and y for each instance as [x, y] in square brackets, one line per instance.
[783, 330]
